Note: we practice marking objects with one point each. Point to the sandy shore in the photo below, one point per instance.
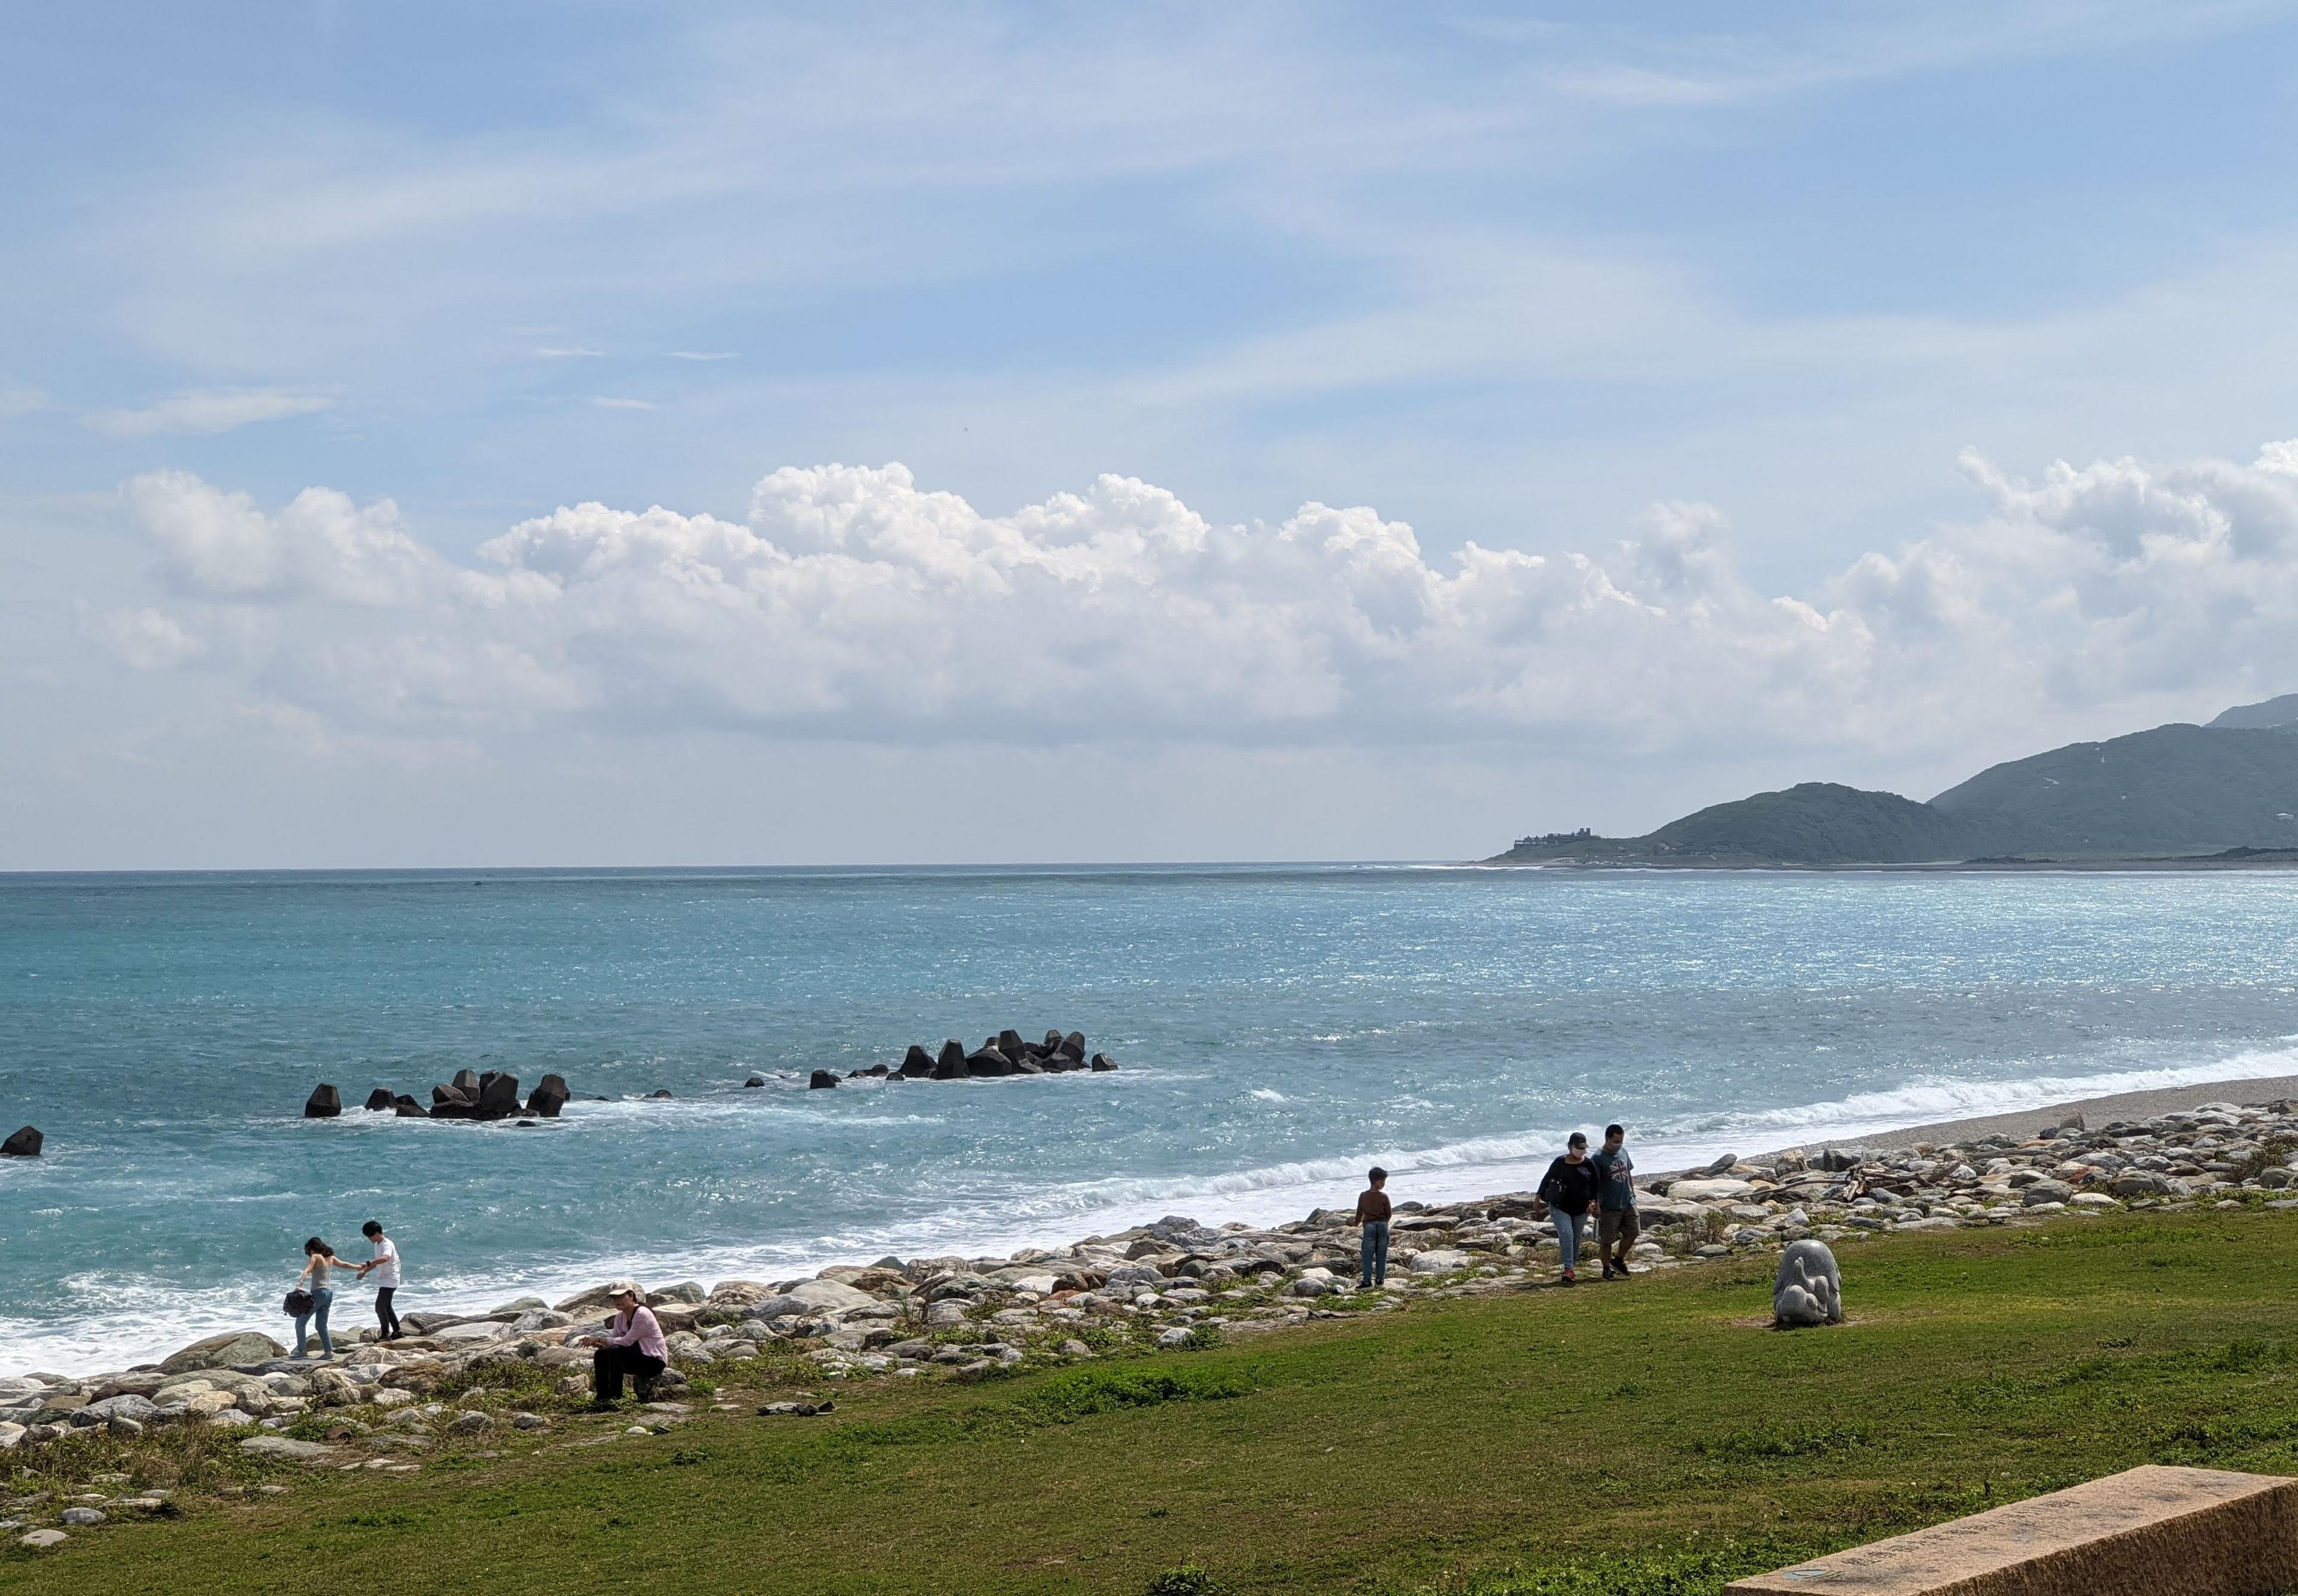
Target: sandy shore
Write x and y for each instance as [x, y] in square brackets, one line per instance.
[2095, 1112]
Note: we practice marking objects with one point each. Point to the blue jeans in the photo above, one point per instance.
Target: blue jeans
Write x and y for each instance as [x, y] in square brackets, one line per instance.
[1373, 1253]
[1570, 1228]
[321, 1301]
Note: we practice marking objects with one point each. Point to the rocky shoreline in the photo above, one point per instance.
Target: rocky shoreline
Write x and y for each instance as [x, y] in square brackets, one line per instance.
[463, 1377]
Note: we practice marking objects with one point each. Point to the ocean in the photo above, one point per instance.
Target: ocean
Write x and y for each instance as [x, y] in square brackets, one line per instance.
[1278, 1029]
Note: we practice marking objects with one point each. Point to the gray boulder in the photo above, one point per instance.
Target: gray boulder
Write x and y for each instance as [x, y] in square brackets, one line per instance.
[2045, 1190]
[1101, 1061]
[219, 1351]
[990, 1061]
[23, 1143]
[380, 1101]
[549, 1096]
[813, 1296]
[125, 1406]
[917, 1061]
[325, 1102]
[2147, 1183]
[819, 1080]
[1809, 1289]
[285, 1448]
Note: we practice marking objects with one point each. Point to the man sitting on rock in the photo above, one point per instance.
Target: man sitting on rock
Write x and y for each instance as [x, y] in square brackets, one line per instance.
[632, 1344]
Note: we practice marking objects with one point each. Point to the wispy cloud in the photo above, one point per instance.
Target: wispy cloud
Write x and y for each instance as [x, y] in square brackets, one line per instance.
[571, 354]
[696, 355]
[605, 403]
[207, 410]
[20, 399]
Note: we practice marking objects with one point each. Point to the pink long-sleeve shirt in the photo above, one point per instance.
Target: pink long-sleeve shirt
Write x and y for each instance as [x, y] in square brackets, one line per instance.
[640, 1325]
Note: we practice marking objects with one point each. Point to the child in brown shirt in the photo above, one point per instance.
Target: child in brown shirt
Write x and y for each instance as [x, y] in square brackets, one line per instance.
[1373, 1209]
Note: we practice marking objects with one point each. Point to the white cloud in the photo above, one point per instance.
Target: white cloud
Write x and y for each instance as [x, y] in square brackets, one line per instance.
[571, 354]
[20, 399]
[145, 638]
[208, 410]
[696, 355]
[852, 603]
[604, 403]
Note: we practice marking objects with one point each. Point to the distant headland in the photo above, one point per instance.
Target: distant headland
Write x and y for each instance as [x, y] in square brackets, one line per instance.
[2182, 796]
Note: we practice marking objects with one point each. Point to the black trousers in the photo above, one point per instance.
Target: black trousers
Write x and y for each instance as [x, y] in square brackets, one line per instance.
[385, 1315]
[609, 1364]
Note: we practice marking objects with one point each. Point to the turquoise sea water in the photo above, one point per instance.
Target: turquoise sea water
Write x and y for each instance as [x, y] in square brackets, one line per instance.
[1278, 1028]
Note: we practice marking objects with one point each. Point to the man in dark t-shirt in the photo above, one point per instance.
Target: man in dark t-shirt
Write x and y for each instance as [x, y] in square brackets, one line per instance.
[1373, 1210]
[1617, 1224]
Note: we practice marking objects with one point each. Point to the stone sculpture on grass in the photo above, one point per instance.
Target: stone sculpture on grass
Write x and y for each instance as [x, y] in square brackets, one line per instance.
[1810, 1289]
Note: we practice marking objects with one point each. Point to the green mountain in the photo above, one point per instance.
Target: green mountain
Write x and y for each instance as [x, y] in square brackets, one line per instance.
[2260, 717]
[2176, 790]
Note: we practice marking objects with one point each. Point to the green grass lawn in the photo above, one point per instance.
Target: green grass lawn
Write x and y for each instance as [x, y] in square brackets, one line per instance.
[1627, 1440]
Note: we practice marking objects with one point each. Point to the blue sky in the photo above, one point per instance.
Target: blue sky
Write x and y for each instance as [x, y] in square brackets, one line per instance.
[1514, 276]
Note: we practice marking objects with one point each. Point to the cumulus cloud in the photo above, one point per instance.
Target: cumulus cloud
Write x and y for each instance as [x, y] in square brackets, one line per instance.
[852, 601]
[208, 410]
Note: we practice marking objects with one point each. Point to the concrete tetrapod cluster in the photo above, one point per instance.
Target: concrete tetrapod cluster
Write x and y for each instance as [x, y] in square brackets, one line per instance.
[470, 1095]
[1005, 1054]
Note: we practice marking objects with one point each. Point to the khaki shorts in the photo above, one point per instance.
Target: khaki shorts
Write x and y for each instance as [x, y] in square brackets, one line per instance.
[1618, 1228]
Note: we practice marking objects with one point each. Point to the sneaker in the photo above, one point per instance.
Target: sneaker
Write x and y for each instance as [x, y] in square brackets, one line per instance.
[1570, 1278]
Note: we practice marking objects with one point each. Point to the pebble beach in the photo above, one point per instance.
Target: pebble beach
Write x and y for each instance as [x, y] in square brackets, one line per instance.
[465, 1378]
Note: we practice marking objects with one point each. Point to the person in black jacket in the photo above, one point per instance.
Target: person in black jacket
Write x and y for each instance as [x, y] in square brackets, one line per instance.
[1571, 1188]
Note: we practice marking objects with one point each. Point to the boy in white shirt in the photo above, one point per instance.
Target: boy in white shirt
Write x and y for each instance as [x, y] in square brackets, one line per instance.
[386, 1266]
